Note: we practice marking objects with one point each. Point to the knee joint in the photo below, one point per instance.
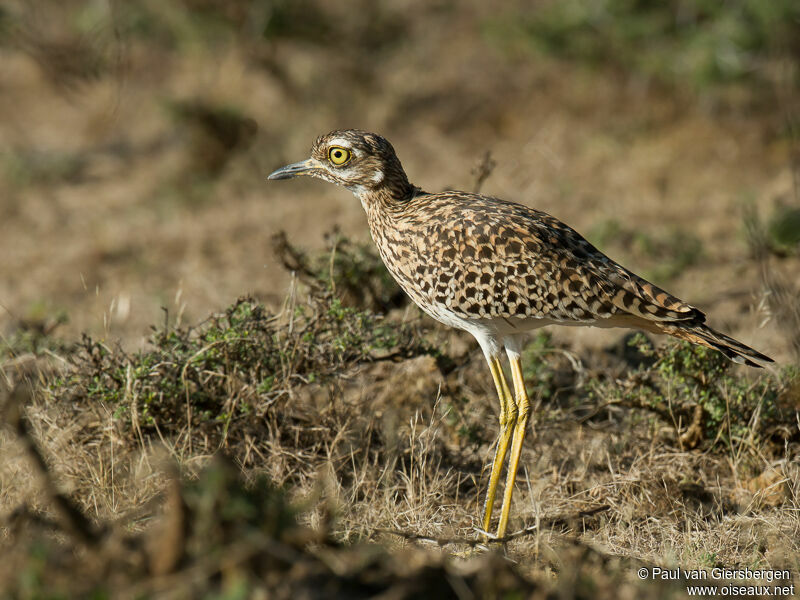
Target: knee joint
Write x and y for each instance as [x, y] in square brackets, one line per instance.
[523, 411]
[510, 416]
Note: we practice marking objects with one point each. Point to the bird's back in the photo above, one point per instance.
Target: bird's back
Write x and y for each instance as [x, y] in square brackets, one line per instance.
[483, 258]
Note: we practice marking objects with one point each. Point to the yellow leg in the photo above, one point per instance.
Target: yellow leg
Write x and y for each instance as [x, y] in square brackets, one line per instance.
[508, 416]
[521, 425]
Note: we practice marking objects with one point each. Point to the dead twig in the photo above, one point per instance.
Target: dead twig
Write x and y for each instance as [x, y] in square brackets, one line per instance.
[70, 518]
[543, 523]
[483, 170]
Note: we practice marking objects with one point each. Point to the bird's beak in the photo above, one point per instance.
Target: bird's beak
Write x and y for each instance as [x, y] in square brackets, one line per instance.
[304, 167]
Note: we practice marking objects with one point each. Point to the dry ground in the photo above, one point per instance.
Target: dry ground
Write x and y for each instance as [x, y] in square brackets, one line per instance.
[133, 180]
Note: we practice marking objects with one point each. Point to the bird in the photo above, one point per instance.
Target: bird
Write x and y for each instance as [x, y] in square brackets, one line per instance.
[497, 269]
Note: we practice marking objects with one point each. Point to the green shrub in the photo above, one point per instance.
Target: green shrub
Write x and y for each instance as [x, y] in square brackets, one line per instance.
[232, 367]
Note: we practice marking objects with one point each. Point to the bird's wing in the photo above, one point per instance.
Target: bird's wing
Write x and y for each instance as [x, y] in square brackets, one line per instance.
[582, 274]
[633, 294]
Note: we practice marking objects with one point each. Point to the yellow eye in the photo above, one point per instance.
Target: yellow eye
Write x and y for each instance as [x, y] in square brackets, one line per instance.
[338, 156]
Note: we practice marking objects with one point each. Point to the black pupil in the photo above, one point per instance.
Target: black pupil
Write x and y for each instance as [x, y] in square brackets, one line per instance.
[337, 154]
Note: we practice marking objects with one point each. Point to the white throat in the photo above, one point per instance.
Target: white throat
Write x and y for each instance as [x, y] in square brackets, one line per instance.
[360, 192]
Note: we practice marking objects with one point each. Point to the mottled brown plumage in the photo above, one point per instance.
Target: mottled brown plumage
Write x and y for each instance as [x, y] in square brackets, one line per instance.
[497, 269]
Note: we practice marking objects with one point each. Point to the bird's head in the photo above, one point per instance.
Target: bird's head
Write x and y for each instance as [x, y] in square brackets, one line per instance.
[362, 162]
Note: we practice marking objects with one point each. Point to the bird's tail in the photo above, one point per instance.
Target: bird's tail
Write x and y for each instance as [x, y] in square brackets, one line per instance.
[702, 334]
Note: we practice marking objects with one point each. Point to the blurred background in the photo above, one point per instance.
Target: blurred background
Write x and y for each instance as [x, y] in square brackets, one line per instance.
[136, 136]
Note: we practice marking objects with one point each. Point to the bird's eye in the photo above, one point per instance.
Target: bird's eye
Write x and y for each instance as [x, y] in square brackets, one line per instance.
[338, 156]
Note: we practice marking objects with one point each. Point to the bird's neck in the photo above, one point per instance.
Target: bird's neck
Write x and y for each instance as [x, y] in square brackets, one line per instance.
[388, 198]
[387, 211]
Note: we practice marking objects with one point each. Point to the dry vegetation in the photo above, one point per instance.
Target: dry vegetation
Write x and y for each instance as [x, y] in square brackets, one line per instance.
[317, 437]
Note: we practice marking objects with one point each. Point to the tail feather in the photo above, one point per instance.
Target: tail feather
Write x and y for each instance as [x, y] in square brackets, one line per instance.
[732, 349]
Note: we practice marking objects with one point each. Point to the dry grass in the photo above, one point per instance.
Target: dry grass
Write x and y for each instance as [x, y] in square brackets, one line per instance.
[375, 435]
